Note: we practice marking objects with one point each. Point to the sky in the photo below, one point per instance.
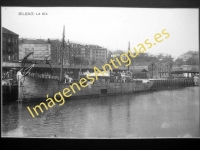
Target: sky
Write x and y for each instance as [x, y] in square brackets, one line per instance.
[109, 27]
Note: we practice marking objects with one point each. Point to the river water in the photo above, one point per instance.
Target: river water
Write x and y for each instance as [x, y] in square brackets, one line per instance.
[166, 113]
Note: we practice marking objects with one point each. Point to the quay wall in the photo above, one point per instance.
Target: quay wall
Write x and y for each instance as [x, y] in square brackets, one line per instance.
[9, 93]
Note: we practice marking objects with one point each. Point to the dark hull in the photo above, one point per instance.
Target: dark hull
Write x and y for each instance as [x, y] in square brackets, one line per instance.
[37, 89]
[9, 93]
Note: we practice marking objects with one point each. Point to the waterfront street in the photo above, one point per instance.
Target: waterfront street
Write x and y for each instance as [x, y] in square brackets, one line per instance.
[165, 113]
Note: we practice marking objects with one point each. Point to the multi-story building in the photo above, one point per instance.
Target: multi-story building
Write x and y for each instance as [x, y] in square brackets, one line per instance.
[163, 69]
[159, 69]
[89, 52]
[116, 53]
[166, 70]
[149, 66]
[96, 53]
[40, 47]
[10, 45]
[44, 49]
[55, 51]
[70, 51]
[52, 50]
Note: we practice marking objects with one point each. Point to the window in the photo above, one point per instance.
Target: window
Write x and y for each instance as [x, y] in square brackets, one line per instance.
[15, 56]
[8, 40]
[4, 38]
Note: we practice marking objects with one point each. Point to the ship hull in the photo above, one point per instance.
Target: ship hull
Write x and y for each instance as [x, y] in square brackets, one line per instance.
[37, 89]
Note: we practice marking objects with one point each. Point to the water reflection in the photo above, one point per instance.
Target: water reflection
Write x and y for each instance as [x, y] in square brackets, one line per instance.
[172, 113]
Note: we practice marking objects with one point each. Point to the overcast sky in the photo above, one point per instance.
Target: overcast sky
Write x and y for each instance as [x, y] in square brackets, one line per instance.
[111, 28]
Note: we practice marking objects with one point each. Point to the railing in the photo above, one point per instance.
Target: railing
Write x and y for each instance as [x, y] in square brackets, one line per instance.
[43, 76]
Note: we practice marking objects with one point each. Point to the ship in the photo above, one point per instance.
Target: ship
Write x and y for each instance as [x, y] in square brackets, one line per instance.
[38, 87]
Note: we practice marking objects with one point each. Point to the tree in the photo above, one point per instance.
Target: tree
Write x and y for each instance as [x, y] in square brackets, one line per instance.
[168, 59]
[160, 56]
[145, 57]
[190, 61]
[179, 62]
[78, 61]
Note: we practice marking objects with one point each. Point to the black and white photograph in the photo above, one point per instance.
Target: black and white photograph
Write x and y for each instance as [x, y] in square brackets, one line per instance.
[99, 72]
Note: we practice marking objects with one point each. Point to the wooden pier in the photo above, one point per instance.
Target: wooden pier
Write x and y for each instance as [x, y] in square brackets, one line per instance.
[160, 84]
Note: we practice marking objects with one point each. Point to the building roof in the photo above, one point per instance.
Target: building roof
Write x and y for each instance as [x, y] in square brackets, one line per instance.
[6, 31]
[93, 46]
[164, 64]
[146, 64]
[55, 41]
[37, 41]
[98, 49]
[118, 52]
[158, 64]
[139, 70]
[176, 69]
[188, 70]
[139, 67]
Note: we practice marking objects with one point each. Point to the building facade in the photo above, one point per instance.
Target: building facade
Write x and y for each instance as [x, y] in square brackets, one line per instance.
[52, 50]
[98, 54]
[10, 45]
[149, 66]
[163, 70]
[166, 70]
[41, 49]
[117, 53]
[89, 52]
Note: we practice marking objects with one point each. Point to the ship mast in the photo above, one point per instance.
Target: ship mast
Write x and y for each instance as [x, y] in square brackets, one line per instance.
[128, 52]
[63, 45]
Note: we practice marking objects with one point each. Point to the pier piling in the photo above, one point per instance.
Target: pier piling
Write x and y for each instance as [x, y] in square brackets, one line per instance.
[172, 83]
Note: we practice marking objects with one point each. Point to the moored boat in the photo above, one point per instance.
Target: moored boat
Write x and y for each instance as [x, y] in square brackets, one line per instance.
[33, 86]
[38, 88]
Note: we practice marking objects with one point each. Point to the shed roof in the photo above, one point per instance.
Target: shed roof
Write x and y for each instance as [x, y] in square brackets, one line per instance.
[142, 63]
[139, 70]
[37, 41]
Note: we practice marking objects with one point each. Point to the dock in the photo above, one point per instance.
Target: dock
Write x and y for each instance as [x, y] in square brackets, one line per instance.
[159, 84]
